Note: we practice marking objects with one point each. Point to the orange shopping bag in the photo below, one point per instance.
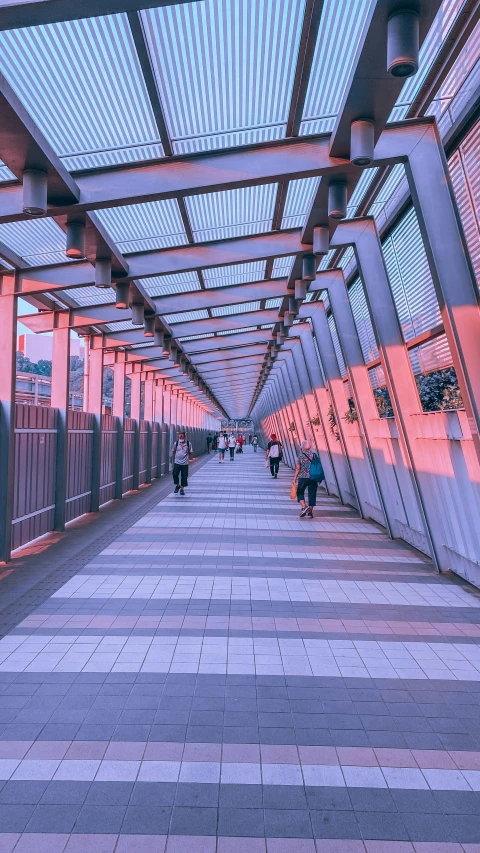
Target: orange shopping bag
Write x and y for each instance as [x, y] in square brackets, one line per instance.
[293, 491]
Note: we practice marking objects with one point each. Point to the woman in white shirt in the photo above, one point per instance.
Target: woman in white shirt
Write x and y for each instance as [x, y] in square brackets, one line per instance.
[222, 446]
[231, 446]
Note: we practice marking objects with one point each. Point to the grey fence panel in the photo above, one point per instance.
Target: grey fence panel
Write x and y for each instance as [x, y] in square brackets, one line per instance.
[164, 450]
[129, 430]
[79, 464]
[108, 458]
[143, 444]
[35, 455]
[155, 448]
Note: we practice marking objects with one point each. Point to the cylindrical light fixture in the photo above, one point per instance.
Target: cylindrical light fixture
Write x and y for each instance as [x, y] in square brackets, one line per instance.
[121, 294]
[288, 319]
[362, 142]
[76, 233]
[149, 325]
[292, 306]
[103, 273]
[321, 239]
[173, 355]
[159, 337]
[301, 288]
[35, 192]
[167, 346]
[137, 313]
[403, 41]
[337, 199]
[309, 267]
[280, 338]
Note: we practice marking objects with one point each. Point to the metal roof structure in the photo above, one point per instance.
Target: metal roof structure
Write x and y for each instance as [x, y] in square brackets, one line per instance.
[195, 142]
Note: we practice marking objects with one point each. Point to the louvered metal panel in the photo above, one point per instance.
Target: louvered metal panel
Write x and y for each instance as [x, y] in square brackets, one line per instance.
[282, 267]
[234, 274]
[227, 310]
[138, 227]
[231, 213]
[341, 27]
[82, 83]
[196, 337]
[323, 265]
[224, 69]
[163, 285]
[5, 173]
[324, 297]
[433, 355]
[377, 378]
[359, 191]
[90, 296]
[336, 345]
[37, 241]
[346, 258]
[121, 326]
[274, 303]
[187, 316]
[363, 322]
[298, 202]
[464, 166]
[267, 326]
[410, 278]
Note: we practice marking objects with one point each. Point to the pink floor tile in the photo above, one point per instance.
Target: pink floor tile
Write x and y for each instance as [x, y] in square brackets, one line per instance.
[360, 756]
[388, 757]
[159, 751]
[433, 759]
[202, 752]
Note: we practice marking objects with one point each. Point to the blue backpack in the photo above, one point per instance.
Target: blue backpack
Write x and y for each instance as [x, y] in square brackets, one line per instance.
[316, 470]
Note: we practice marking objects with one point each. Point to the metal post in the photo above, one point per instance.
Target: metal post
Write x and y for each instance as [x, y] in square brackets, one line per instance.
[360, 384]
[118, 410]
[450, 266]
[95, 389]
[320, 394]
[59, 399]
[335, 387]
[8, 341]
[135, 395]
[363, 235]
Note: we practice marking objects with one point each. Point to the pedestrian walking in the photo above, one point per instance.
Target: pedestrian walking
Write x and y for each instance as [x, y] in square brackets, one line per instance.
[215, 443]
[222, 446]
[240, 444]
[209, 442]
[274, 454]
[181, 452]
[255, 443]
[308, 474]
[231, 446]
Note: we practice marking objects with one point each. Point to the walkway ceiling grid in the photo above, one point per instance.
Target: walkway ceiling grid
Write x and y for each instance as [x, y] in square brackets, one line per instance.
[190, 144]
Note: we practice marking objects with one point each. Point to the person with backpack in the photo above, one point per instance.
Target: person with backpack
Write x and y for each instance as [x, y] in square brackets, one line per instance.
[182, 452]
[308, 474]
[209, 442]
[274, 454]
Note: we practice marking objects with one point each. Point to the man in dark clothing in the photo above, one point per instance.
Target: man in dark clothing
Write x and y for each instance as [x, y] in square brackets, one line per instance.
[209, 442]
[274, 454]
[181, 452]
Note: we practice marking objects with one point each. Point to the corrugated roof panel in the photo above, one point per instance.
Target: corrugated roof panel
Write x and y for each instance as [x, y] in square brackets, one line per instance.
[346, 257]
[223, 66]
[121, 326]
[360, 190]
[163, 285]
[236, 331]
[438, 32]
[90, 295]
[5, 173]
[231, 213]
[282, 267]
[227, 310]
[341, 28]
[274, 303]
[267, 326]
[298, 202]
[82, 83]
[196, 337]
[37, 241]
[186, 316]
[323, 265]
[234, 274]
[151, 225]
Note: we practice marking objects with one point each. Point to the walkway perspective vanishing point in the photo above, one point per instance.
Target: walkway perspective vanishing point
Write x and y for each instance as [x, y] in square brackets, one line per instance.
[228, 678]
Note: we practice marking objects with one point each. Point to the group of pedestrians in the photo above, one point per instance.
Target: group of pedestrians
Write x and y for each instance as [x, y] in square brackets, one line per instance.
[307, 476]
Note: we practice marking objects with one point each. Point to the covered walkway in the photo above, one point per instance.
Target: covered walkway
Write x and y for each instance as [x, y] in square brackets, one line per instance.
[224, 677]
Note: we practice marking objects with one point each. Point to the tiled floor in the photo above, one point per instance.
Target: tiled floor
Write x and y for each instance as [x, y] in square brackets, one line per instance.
[225, 677]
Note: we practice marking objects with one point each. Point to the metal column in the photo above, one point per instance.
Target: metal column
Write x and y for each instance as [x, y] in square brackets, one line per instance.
[95, 398]
[118, 410]
[59, 400]
[8, 347]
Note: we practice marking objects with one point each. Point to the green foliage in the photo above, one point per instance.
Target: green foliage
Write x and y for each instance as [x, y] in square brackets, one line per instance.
[439, 390]
[292, 427]
[332, 421]
[384, 404]
[315, 421]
